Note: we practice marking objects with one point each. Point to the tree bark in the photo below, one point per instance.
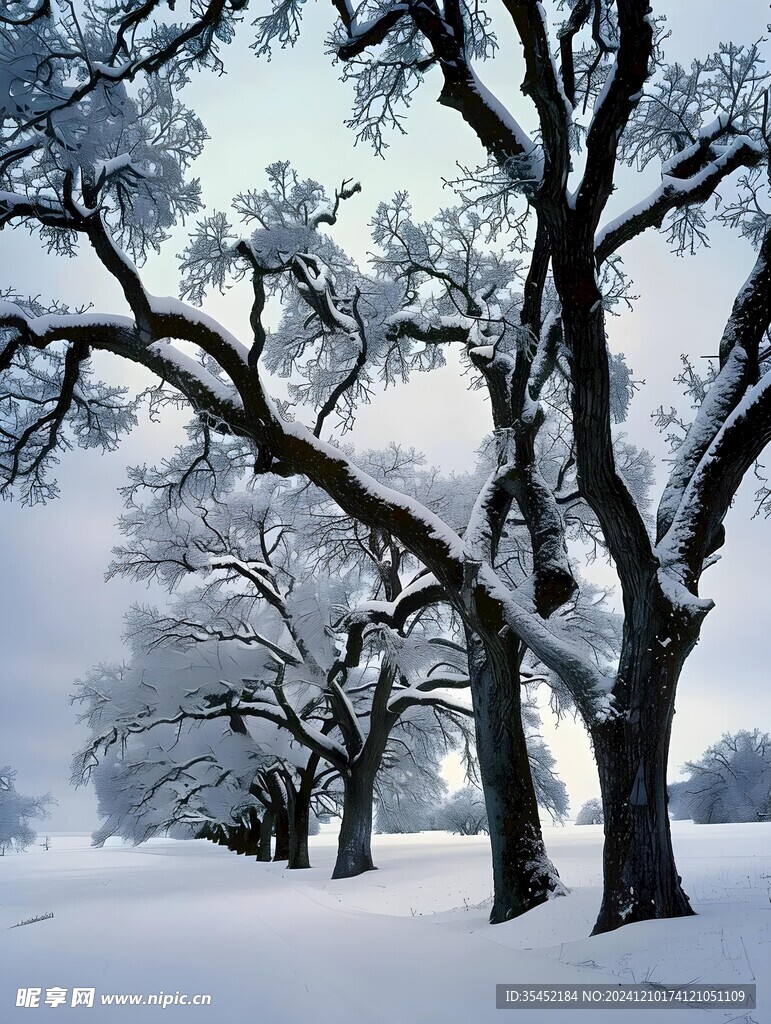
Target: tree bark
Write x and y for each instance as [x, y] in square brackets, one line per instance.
[298, 832]
[523, 875]
[299, 808]
[254, 833]
[354, 847]
[641, 881]
[266, 831]
[280, 815]
[282, 833]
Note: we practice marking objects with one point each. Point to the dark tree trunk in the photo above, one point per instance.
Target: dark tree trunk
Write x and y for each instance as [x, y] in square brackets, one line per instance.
[266, 831]
[641, 881]
[631, 746]
[354, 852]
[282, 833]
[208, 831]
[234, 840]
[253, 833]
[523, 875]
[282, 836]
[299, 809]
[280, 815]
[354, 845]
[298, 831]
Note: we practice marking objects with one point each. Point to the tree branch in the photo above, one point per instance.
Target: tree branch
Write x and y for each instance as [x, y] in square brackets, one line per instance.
[739, 348]
[676, 192]
[613, 109]
[544, 87]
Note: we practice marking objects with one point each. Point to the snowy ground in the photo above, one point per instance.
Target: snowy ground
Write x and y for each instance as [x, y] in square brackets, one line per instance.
[408, 943]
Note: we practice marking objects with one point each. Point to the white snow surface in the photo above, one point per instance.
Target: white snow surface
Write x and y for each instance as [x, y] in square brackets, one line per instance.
[408, 943]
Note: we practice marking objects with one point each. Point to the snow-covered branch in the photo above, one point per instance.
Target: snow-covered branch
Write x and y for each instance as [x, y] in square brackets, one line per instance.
[451, 44]
[734, 398]
[711, 488]
[621, 93]
[691, 178]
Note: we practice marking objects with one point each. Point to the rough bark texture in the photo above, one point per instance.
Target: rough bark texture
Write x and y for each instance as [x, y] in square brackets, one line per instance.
[299, 808]
[280, 816]
[263, 849]
[354, 852]
[641, 881]
[523, 875]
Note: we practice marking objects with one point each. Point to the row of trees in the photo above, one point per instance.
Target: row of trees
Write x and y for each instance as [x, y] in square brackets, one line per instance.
[292, 670]
[519, 278]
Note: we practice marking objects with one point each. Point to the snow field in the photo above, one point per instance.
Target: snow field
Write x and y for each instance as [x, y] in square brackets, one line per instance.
[408, 943]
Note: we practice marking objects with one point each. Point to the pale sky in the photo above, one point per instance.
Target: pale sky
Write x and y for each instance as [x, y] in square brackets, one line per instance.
[58, 616]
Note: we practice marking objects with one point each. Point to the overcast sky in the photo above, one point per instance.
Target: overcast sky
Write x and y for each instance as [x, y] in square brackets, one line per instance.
[58, 616]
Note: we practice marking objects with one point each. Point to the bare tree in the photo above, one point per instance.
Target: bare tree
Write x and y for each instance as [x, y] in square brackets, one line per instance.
[606, 87]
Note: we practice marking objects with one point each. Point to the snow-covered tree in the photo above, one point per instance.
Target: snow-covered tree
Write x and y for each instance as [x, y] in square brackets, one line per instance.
[731, 781]
[175, 785]
[407, 793]
[550, 790]
[17, 812]
[529, 331]
[169, 750]
[259, 632]
[603, 95]
[590, 813]
[463, 813]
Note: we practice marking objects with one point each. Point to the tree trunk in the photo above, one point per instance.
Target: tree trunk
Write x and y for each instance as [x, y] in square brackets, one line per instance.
[253, 833]
[354, 853]
[280, 815]
[660, 629]
[523, 875]
[299, 808]
[354, 845]
[640, 876]
[266, 831]
[298, 832]
[282, 834]
[235, 838]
